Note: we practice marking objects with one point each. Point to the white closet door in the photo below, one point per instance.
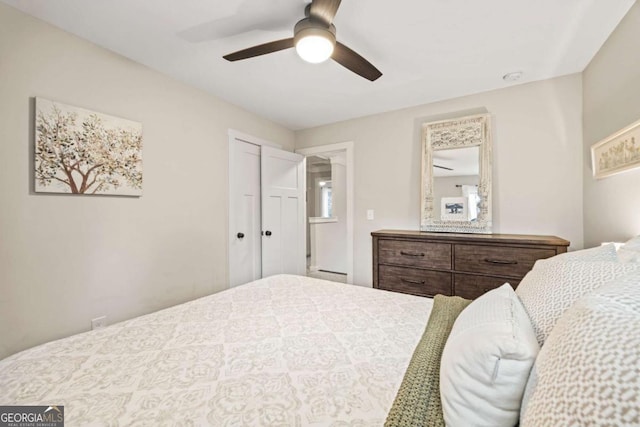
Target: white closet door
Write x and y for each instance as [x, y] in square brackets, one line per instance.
[245, 258]
[283, 212]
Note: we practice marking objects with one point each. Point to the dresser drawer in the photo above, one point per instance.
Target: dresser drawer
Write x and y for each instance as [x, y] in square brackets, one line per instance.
[424, 283]
[415, 254]
[468, 265]
[471, 287]
[498, 260]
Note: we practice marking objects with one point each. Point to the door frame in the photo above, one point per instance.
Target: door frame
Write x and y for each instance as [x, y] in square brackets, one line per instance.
[235, 135]
[347, 147]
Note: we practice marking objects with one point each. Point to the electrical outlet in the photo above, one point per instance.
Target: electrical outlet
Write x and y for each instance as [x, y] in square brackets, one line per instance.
[99, 322]
[370, 214]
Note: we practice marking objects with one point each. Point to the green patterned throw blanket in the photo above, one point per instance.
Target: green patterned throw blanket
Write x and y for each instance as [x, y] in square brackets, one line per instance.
[418, 400]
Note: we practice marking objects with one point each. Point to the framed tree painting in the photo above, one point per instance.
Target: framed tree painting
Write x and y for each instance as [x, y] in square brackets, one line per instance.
[83, 152]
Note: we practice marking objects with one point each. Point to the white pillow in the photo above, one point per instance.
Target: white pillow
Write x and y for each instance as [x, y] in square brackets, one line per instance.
[553, 286]
[625, 255]
[588, 372]
[633, 244]
[486, 361]
[630, 251]
[599, 253]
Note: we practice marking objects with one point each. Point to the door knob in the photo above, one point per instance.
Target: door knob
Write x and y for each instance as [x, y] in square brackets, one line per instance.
[268, 233]
[240, 235]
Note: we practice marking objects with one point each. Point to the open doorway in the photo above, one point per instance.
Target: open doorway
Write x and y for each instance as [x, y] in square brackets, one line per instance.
[329, 198]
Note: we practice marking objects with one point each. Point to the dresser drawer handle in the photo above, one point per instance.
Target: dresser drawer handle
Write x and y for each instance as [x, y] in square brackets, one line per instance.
[405, 253]
[500, 261]
[413, 282]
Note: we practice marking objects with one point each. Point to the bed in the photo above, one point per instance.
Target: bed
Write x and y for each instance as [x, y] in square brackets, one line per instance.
[284, 350]
[562, 349]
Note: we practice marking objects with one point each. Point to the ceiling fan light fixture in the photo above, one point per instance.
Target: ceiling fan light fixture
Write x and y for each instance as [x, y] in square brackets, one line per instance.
[313, 43]
[314, 49]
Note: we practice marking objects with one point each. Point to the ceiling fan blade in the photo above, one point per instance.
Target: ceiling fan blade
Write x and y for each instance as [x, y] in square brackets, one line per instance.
[354, 62]
[442, 167]
[262, 49]
[324, 10]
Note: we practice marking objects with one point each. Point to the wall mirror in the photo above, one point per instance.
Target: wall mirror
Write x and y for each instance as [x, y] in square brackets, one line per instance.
[456, 175]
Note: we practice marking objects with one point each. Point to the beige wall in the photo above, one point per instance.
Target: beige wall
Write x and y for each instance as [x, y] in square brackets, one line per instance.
[612, 102]
[537, 174]
[66, 259]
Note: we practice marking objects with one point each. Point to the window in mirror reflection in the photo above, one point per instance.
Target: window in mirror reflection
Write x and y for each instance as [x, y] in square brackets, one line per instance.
[327, 201]
[456, 175]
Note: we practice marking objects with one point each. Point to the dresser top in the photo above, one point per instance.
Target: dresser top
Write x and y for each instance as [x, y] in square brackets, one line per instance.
[480, 238]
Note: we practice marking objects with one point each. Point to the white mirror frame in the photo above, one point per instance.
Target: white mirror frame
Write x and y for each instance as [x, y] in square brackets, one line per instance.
[461, 132]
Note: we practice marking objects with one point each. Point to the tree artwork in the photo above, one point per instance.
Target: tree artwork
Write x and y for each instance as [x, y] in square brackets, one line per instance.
[83, 152]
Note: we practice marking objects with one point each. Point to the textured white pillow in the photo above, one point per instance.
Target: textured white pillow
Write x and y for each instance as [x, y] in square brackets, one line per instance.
[633, 244]
[630, 251]
[486, 361]
[625, 255]
[553, 286]
[588, 372]
[599, 253]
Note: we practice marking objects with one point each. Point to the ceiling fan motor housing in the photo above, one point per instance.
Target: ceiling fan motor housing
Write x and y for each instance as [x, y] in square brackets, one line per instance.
[309, 27]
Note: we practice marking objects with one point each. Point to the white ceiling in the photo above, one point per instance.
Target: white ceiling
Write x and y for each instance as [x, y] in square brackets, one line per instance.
[428, 50]
[461, 161]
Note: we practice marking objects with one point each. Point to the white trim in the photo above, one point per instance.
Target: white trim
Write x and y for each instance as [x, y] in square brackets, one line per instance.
[324, 149]
[338, 160]
[322, 220]
[244, 137]
[348, 147]
[240, 136]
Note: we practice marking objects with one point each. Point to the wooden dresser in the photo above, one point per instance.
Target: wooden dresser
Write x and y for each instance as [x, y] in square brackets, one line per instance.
[466, 265]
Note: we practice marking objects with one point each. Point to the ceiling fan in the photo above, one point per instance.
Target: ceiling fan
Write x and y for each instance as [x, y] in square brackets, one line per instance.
[443, 167]
[314, 38]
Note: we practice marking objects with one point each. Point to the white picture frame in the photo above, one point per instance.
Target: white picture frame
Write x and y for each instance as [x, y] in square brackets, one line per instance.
[453, 209]
[617, 153]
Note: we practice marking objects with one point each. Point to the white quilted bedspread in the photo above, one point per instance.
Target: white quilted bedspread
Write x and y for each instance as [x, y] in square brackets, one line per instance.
[285, 350]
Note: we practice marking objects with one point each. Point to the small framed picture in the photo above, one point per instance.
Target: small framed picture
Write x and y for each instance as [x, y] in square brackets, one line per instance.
[453, 209]
[617, 153]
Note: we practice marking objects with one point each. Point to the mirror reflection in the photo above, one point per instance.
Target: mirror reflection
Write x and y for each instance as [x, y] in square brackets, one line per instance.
[456, 176]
